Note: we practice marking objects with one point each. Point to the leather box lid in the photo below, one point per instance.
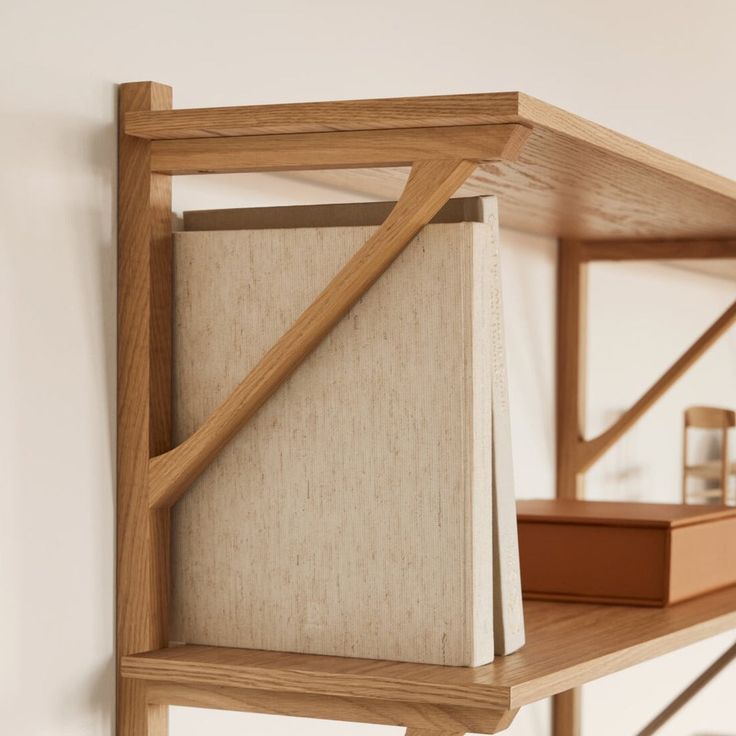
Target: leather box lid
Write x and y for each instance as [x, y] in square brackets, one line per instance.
[619, 513]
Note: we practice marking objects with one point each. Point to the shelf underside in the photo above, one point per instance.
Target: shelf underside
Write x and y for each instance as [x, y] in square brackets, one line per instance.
[568, 644]
[587, 195]
[573, 178]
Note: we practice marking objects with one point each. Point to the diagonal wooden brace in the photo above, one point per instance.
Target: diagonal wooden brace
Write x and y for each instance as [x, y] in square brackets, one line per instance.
[575, 453]
[430, 185]
[689, 692]
[589, 451]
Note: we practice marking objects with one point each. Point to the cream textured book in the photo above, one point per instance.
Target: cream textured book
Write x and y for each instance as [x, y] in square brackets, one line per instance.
[352, 515]
[508, 612]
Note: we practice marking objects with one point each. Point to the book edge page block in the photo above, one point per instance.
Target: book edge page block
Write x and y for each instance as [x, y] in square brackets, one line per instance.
[508, 610]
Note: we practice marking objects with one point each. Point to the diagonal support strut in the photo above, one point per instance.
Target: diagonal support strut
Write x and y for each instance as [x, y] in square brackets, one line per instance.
[591, 450]
[430, 185]
[689, 692]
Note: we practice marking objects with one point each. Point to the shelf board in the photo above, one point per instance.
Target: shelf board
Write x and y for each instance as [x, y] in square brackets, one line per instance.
[568, 644]
[573, 179]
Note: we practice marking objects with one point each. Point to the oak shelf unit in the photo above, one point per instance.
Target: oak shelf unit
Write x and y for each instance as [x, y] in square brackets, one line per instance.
[567, 645]
[605, 196]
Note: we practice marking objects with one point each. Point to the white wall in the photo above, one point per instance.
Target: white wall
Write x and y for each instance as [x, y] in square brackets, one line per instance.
[661, 71]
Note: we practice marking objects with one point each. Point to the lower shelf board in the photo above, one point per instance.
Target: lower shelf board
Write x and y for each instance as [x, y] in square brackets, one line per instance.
[568, 644]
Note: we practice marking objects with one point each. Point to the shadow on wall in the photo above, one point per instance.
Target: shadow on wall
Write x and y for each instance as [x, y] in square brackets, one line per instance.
[528, 281]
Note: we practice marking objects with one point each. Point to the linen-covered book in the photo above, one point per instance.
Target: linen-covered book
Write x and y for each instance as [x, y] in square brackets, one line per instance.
[351, 516]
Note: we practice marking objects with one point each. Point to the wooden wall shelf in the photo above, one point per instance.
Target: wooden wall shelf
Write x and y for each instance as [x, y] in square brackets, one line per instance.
[573, 179]
[567, 645]
[554, 174]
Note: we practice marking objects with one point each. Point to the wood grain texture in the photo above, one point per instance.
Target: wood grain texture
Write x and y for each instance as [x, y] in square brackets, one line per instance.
[429, 187]
[657, 250]
[715, 257]
[567, 645]
[352, 515]
[567, 713]
[144, 420]
[570, 189]
[432, 718]
[574, 178]
[337, 150]
[570, 396]
[320, 117]
[571, 344]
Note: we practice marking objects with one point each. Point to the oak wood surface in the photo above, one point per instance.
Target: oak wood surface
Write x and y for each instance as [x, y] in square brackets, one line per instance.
[562, 187]
[411, 112]
[571, 359]
[320, 117]
[429, 187]
[570, 397]
[352, 149]
[657, 250]
[574, 178]
[144, 416]
[428, 716]
[567, 713]
[567, 644]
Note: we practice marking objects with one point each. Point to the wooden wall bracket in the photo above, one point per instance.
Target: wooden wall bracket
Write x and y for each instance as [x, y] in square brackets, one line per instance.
[144, 406]
[544, 161]
[152, 475]
[430, 185]
[419, 719]
[575, 453]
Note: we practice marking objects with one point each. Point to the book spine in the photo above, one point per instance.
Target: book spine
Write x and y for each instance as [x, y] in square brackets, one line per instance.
[479, 439]
[508, 612]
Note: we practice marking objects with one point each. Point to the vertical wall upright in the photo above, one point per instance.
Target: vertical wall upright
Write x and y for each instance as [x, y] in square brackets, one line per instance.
[144, 404]
[571, 331]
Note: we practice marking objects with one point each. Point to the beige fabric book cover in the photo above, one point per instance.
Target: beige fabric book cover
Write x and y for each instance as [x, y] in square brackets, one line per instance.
[352, 515]
[508, 613]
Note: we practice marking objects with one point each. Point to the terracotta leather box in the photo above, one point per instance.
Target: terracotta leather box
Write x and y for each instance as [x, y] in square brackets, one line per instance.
[646, 554]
